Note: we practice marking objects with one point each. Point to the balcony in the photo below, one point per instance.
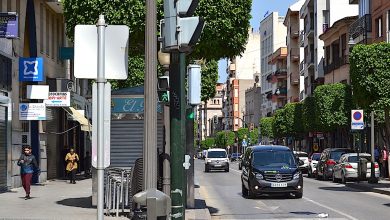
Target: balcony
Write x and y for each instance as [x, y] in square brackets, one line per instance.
[302, 67]
[281, 91]
[281, 73]
[294, 54]
[337, 63]
[361, 27]
[310, 61]
[302, 38]
[294, 33]
[294, 80]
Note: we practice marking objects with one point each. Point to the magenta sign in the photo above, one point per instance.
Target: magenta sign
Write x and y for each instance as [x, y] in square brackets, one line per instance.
[8, 25]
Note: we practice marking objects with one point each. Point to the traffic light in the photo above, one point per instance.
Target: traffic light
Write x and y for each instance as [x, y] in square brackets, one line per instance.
[163, 89]
[180, 31]
[194, 84]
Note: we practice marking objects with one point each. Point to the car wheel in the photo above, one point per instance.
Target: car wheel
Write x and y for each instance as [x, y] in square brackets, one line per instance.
[227, 169]
[251, 195]
[343, 179]
[240, 166]
[206, 169]
[298, 195]
[244, 191]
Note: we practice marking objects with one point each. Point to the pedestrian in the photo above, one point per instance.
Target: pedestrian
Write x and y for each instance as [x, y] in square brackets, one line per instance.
[87, 164]
[384, 161]
[72, 158]
[27, 163]
[377, 157]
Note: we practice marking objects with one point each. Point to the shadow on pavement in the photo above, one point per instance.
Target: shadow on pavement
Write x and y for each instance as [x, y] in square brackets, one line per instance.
[200, 204]
[304, 213]
[84, 202]
[339, 189]
[387, 204]
[212, 210]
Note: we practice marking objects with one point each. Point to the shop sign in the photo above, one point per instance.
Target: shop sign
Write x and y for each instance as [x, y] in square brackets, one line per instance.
[31, 69]
[32, 111]
[58, 99]
[8, 25]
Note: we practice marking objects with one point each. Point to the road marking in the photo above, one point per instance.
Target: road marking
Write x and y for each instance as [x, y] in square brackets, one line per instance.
[330, 208]
[236, 171]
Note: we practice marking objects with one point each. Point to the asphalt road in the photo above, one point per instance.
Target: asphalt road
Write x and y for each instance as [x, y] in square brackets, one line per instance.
[222, 193]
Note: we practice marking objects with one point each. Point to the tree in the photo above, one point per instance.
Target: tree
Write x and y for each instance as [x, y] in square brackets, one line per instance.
[293, 119]
[242, 133]
[266, 127]
[370, 78]
[309, 114]
[253, 136]
[209, 79]
[333, 103]
[207, 143]
[280, 126]
[224, 139]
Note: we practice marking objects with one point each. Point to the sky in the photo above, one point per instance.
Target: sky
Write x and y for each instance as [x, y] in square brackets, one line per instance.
[259, 9]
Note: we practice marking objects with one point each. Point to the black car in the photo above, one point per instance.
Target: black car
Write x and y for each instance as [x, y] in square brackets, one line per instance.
[328, 159]
[271, 169]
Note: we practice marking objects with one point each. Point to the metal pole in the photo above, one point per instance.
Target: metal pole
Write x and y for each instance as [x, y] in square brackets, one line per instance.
[373, 178]
[167, 149]
[178, 134]
[150, 127]
[190, 151]
[101, 81]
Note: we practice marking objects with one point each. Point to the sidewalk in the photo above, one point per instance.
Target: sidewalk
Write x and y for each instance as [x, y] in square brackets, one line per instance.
[200, 212]
[382, 187]
[53, 200]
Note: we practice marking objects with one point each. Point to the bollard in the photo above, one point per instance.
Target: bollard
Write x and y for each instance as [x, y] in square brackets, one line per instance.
[157, 203]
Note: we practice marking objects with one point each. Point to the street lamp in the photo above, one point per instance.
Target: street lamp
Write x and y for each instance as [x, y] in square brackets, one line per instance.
[277, 91]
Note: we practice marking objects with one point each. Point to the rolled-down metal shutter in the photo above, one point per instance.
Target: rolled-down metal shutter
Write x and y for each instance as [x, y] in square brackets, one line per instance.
[127, 141]
[3, 148]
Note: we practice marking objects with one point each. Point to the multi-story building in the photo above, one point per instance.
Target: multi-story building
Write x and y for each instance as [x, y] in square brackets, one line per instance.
[360, 31]
[253, 100]
[273, 36]
[318, 16]
[336, 62]
[41, 36]
[381, 20]
[278, 79]
[211, 114]
[242, 71]
[293, 24]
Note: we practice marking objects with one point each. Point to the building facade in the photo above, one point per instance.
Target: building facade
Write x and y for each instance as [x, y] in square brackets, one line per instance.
[381, 20]
[273, 36]
[278, 79]
[211, 114]
[253, 105]
[294, 51]
[318, 16]
[361, 30]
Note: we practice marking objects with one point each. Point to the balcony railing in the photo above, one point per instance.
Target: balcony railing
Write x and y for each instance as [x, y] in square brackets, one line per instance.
[294, 54]
[337, 63]
[302, 66]
[281, 72]
[361, 26]
[302, 38]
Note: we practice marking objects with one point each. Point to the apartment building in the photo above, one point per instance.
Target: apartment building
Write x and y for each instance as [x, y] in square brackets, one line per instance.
[253, 100]
[242, 72]
[381, 20]
[294, 51]
[278, 79]
[336, 62]
[210, 114]
[318, 16]
[273, 36]
[40, 31]
[360, 31]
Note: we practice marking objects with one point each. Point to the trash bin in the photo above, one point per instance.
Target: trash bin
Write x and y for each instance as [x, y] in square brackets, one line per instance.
[159, 203]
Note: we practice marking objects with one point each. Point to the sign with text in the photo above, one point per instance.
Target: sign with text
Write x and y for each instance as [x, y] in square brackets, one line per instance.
[31, 69]
[357, 120]
[8, 25]
[58, 99]
[130, 105]
[32, 111]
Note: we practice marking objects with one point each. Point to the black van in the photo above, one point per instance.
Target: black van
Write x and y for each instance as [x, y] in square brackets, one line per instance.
[271, 169]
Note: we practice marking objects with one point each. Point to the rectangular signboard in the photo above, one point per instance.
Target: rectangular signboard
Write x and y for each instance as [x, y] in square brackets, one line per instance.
[31, 69]
[357, 120]
[58, 99]
[37, 91]
[32, 111]
[8, 25]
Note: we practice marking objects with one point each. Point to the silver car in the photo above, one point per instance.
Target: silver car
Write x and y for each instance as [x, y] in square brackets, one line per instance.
[347, 167]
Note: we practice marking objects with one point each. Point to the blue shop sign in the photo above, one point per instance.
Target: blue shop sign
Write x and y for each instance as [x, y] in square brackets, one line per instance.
[129, 105]
[31, 69]
[8, 25]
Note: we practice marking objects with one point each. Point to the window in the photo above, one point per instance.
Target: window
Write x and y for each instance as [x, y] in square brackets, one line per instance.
[235, 92]
[47, 32]
[343, 45]
[378, 25]
[235, 107]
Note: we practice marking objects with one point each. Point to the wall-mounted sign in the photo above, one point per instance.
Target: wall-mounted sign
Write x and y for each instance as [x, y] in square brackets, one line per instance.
[8, 25]
[31, 69]
[32, 111]
[357, 120]
[129, 105]
[58, 99]
[37, 91]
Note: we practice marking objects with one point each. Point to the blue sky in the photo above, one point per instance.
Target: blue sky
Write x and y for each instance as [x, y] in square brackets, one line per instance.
[259, 8]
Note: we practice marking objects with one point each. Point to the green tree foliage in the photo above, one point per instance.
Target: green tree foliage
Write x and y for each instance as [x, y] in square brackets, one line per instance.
[207, 143]
[242, 133]
[293, 119]
[254, 136]
[309, 114]
[209, 79]
[224, 139]
[280, 126]
[333, 104]
[370, 78]
[136, 74]
[266, 127]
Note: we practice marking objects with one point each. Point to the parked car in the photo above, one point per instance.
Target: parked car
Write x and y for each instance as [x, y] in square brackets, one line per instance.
[235, 156]
[216, 159]
[313, 161]
[347, 168]
[270, 169]
[305, 158]
[328, 160]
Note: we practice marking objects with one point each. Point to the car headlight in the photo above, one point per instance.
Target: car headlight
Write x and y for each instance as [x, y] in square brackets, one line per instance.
[208, 161]
[259, 176]
[226, 160]
[297, 175]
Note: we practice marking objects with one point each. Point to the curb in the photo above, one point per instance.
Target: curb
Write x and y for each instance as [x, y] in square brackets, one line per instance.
[367, 188]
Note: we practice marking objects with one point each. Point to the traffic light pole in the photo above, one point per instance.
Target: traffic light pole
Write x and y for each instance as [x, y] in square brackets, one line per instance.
[177, 71]
[190, 151]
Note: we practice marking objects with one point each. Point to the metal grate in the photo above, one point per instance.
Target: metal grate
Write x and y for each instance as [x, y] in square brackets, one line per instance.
[275, 178]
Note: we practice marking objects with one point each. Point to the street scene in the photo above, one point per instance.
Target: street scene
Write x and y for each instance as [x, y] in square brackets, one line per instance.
[194, 109]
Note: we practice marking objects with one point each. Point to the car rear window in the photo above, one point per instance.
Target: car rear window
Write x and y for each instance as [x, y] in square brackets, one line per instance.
[216, 154]
[335, 155]
[301, 154]
[354, 159]
[315, 156]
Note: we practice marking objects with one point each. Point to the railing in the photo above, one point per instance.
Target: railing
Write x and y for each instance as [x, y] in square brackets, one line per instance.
[361, 26]
[281, 72]
[301, 95]
[337, 63]
[302, 66]
[302, 38]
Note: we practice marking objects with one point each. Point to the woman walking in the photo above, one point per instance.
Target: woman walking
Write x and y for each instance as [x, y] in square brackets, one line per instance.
[71, 158]
[27, 163]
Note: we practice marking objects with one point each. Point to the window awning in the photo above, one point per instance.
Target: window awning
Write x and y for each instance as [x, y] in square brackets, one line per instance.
[85, 125]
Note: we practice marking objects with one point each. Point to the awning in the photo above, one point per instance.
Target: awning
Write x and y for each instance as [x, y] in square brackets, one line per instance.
[85, 125]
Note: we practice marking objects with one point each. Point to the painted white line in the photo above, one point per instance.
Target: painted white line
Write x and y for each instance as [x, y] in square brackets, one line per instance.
[330, 208]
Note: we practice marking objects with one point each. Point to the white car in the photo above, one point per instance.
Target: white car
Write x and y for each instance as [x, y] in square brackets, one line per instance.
[347, 167]
[305, 158]
[216, 159]
[313, 161]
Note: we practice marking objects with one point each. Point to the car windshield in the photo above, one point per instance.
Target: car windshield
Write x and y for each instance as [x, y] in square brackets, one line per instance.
[353, 159]
[216, 154]
[236, 154]
[274, 159]
[316, 157]
[335, 155]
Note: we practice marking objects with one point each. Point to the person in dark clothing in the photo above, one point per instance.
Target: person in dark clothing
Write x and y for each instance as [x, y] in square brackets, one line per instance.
[87, 164]
[27, 163]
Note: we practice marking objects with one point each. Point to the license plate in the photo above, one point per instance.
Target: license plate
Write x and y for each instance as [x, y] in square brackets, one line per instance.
[278, 184]
[217, 165]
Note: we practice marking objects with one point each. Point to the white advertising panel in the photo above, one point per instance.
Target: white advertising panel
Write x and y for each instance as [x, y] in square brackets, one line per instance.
[58, 99]
[32, 111]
